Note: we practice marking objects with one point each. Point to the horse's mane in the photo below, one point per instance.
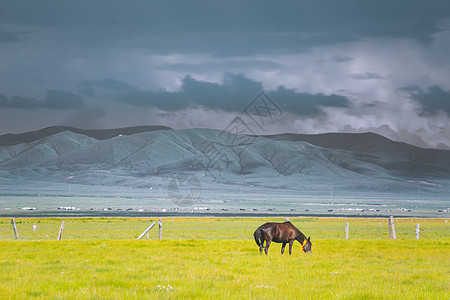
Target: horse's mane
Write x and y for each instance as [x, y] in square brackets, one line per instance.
[299, 233]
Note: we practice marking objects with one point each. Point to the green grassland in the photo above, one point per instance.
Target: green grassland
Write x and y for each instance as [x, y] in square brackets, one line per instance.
[224, 264]
[216, 228]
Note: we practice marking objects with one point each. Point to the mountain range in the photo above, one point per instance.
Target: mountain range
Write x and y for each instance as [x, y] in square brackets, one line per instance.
[138, 156]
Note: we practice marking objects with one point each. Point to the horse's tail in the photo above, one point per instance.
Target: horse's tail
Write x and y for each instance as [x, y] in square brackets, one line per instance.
[258, 236]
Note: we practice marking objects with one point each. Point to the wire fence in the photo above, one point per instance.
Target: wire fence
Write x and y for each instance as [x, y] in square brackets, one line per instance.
[43, 229]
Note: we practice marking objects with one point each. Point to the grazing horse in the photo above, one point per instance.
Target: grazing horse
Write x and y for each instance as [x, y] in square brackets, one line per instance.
[280, 233]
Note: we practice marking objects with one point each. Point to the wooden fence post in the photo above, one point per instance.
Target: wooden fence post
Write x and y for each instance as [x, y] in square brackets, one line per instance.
[160, 228]
[417, 231]
[346, 230]
[60, 231]
[392, 228]
[16, 234]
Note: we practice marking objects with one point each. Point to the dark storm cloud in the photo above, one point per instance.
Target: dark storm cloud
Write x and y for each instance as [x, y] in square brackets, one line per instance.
[374, 104]
[3, 100]
[232, 96]
[8, 37]
[53, 100]
[224, 44]
[88, 87]
[23, 102]
[232, 27]
[245, 28]
[62, 100]
[341, 59]
[431, 101]
[307, 105]
[367, 76]
[254, 64]
[311, 57]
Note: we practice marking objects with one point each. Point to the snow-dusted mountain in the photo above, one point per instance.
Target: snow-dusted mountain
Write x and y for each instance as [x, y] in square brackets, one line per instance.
[139, 155]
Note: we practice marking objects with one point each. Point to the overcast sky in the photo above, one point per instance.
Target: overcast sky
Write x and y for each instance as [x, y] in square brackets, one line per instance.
[328, 66]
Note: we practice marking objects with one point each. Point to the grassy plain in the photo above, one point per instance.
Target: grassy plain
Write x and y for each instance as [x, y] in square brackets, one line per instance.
[224, 268]
[225, 228]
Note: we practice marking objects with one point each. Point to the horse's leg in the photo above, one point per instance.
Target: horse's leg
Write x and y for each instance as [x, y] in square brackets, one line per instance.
[266, 249]
[261, 245]
[282, 248]
[291, 242]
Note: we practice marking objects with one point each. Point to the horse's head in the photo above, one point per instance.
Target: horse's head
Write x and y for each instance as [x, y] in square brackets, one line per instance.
[306, 246]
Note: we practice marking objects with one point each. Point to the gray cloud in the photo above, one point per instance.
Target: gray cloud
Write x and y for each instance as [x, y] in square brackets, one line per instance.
[217, 27]
[23, 102]
[432, 101]
[341, 59]
[307, 105]
[170, 101]
[85, 118]
[232, 96]
[62, 100]
[8, 36]
[90, 88]
[310, 56]
[53, 100]
[4, 101]
[254, 64]
[367, 76]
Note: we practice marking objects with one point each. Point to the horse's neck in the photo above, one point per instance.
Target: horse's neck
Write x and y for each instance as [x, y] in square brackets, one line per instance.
[300, 236]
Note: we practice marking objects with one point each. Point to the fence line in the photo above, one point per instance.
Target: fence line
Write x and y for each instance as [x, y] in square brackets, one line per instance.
[216, 228]
[146, 231]
[392, 234]
[16, 234]
[60, 230]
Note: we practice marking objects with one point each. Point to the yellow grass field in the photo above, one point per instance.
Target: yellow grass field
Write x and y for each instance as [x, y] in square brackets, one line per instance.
[224, 267]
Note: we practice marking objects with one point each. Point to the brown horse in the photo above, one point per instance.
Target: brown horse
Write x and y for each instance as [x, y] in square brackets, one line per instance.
[280, 233]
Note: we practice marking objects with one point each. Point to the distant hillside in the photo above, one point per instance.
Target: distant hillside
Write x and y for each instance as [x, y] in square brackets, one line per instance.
[100, 134]
[370, 143]
[129, 157]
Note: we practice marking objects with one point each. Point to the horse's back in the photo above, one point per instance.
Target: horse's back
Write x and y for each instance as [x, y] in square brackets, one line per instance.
[272, 225]
[268, 230]
[278, 232]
